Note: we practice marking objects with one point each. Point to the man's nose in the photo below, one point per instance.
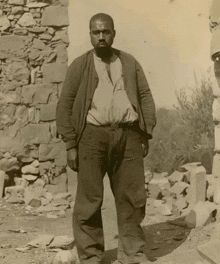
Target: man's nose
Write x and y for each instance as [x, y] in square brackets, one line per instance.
[101, 36]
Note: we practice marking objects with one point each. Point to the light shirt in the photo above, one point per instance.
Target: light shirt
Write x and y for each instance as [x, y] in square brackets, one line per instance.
[110, 102]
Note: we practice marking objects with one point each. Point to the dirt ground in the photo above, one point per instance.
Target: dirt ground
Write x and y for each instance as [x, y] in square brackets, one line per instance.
[166, 241]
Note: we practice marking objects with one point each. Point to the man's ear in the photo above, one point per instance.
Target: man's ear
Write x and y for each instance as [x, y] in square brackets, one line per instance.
[114, 33]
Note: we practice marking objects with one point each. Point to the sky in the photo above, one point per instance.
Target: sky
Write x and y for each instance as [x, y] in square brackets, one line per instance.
[170, 39]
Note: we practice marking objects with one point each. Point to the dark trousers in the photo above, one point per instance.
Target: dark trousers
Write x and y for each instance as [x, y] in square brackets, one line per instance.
[118, 152]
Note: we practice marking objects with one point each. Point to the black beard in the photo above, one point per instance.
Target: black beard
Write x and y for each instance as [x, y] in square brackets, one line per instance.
[103, 52]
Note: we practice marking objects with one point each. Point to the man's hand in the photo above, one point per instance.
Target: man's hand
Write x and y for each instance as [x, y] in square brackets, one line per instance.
[72, 158]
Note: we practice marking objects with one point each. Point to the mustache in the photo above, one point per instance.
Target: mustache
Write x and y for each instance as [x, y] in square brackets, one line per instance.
[102, 42]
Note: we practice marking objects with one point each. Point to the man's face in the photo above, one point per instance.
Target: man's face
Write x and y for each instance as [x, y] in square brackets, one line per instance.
[102, 34]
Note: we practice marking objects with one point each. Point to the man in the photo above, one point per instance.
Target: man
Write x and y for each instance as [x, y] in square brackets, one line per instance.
[106, 115]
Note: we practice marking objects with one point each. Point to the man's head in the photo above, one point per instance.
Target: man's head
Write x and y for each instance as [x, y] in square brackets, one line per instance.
[102, 34]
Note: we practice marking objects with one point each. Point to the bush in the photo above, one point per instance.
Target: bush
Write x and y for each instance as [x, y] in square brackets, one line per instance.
[185, 133]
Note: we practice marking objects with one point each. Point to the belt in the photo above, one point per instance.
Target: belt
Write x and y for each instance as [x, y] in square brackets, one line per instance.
[127, 125]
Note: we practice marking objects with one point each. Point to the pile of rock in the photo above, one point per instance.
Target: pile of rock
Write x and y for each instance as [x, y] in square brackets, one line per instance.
[188, 193]
[33, 189]
[33, 63]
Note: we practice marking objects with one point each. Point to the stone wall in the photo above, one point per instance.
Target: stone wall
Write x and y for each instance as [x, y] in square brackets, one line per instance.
[33, 63]
[215, 56]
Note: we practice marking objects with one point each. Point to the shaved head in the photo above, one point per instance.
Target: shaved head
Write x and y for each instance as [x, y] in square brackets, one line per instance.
[101, 17]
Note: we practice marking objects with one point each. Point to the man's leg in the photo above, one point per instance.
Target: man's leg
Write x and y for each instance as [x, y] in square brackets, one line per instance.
[87, 221]
[128, 185]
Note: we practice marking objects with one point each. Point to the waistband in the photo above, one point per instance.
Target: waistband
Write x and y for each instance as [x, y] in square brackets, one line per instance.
[127, 125]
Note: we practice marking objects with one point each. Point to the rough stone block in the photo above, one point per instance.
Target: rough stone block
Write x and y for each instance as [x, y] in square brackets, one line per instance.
[17, 71]
[45, 167]
[216, 110]
[14, 190]
[197, 185]
[11, 97]
[48, 112]
[181, 204]
[62, 56]
[22, 115]
[12, 42]
[200, 215]
[36, 4]
[61, 185]
[41, 96]
[216, 166]
[217, 138]
[215, 235]
[166, 192]
[9, 164]
[31, 114]
[17, 10]
[177, 176]
[7, 143]
[35, 202]
[20, 182]
[52, 151]
[5, 119]
[36, 134]
[61, 161]
[34, 54]
[16, 2]
[64, 257]
[29, 169]
[61, 35]
[14, 129]
[10, 86]
[39, 183]
[164, 210]
[210, 251]
[37, 94]
[33, 193]
[161, 175]
[189, 166]
[161, 182]
[179, 188]
[55, 16]
[27, 20]
[4, 23]
[54, 72]
[38, 44]
[27, 94]
[154, 191]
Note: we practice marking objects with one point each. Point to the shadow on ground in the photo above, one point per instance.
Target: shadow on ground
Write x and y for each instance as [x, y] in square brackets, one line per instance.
[161, 239]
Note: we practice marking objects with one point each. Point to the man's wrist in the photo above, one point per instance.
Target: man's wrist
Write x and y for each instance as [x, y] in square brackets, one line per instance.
[70, 144]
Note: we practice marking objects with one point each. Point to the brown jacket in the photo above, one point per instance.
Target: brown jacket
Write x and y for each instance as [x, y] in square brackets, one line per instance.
[78, 89]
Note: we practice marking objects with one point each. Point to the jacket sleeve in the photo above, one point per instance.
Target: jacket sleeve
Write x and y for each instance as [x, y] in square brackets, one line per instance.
[146, 100]
[71, 84]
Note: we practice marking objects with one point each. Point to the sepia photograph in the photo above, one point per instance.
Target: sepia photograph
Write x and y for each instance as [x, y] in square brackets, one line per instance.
[109, 132]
